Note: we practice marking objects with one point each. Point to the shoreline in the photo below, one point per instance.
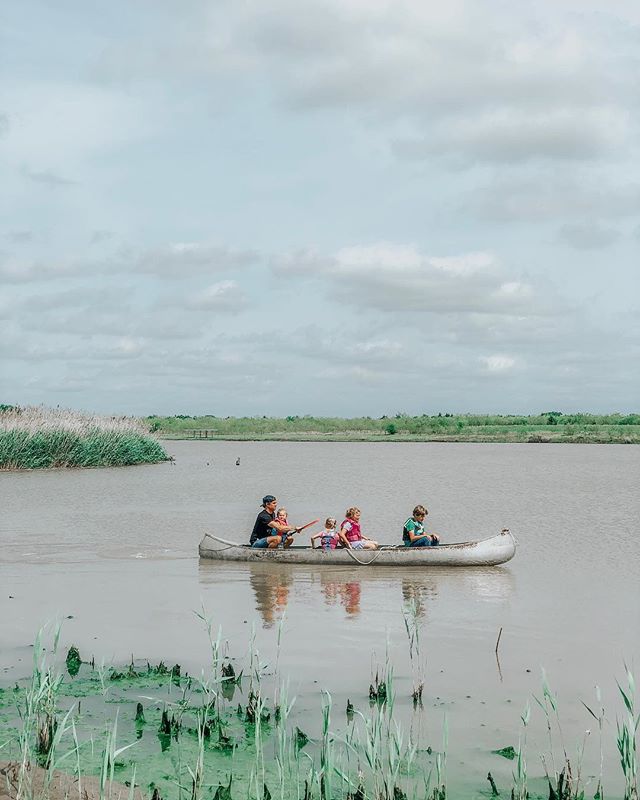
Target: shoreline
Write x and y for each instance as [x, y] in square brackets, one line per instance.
[536, 438]
[548, 428]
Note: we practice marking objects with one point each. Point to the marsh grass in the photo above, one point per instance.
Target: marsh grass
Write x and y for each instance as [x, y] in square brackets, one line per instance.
[212, 752]
[520, 789]
[565, 782]
[626, 738]
[35, 437]
[599, 717]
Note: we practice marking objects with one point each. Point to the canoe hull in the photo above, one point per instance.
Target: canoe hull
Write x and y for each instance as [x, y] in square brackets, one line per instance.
[487, 552]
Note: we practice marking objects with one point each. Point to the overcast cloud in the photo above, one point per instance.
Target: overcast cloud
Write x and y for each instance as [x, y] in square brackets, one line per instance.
[336, 207]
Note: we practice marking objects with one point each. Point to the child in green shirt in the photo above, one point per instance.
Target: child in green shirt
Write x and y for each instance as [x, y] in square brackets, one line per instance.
[413, 533]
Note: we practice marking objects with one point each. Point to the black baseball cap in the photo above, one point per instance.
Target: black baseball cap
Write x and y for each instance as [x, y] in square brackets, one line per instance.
[268, 498]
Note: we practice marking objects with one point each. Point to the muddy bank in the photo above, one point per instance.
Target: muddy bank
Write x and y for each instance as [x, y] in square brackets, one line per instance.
[35, 782]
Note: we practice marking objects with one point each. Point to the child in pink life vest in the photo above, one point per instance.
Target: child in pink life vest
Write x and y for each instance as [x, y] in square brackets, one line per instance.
[350, 533]
[329, 537]
[281, 517]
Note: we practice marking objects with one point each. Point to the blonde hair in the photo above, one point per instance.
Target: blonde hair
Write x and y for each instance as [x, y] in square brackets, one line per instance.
[281, 510]
[330, 523]
[351, 511]
[420, 510]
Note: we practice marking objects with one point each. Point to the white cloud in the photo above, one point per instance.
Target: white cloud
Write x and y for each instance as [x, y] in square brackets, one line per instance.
[127, 346]
[468, 264]
[356, 348]
[515, 290]
[477, 81]
[226, 296]
[272, 124]
[398, 277]
[384, 256]
[498, 363]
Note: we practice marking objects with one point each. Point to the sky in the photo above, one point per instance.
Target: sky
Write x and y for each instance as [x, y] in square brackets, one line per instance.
[327, 207]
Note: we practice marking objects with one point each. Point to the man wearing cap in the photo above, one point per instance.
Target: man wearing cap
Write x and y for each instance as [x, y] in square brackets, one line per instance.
[267, 531]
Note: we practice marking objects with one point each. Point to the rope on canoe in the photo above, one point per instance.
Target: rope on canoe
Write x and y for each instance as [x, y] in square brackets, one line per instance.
[363, 563]
[221, 549]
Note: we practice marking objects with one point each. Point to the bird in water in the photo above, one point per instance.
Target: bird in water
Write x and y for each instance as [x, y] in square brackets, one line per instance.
[238, 461]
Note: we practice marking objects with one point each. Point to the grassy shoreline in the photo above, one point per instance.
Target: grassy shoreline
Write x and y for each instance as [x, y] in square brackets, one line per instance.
[41, 438]
[551, 427]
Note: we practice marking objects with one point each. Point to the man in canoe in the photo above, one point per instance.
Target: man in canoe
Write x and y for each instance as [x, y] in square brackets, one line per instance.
[267, 530]
[413, 533]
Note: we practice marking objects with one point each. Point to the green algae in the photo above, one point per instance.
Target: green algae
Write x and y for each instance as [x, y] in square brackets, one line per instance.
[506, 752]
[301, 739]
[73, 661]
[173, 723]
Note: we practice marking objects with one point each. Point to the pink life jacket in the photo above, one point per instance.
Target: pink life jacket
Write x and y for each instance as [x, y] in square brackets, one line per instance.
[329, 539]
[351, 530]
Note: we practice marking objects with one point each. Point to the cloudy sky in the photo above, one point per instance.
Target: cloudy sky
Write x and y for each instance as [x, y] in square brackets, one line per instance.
[329, 207]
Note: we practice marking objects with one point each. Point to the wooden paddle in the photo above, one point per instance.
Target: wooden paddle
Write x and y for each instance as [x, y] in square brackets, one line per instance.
[303, 527]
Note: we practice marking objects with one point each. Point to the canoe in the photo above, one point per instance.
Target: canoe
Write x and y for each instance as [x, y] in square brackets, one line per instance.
[483, 553]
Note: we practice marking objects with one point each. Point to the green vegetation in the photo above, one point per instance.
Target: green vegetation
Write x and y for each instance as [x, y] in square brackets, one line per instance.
[179, 737]
[37, 438]
[550, 426]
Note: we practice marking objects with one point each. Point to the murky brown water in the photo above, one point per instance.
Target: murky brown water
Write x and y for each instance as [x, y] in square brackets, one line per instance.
[116, 550]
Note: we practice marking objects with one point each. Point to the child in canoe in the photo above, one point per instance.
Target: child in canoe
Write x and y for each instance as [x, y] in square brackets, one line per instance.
[413, 533]
[283, 520]
[329, 537]
[350, 534]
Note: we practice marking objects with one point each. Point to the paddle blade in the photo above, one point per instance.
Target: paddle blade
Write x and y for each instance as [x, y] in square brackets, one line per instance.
[309, 524]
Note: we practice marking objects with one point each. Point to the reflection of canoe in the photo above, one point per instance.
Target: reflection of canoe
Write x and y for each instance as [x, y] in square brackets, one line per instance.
[495, 550]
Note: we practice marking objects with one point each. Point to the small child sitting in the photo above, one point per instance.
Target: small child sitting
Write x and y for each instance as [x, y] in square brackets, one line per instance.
[329, 537]
[281, 517]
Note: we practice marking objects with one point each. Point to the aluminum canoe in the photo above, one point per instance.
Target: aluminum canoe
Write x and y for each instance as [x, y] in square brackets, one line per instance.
[496, 549]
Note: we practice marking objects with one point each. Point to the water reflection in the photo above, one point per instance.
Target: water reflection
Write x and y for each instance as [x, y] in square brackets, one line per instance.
[271, 589]
[357, 591]
[419, 593]
[347, 593]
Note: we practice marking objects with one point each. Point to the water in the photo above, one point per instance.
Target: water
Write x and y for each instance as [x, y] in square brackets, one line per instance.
[113, 554]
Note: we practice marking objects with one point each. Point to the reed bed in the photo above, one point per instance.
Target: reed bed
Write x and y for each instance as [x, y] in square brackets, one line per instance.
[35, 437]
[220, 736]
